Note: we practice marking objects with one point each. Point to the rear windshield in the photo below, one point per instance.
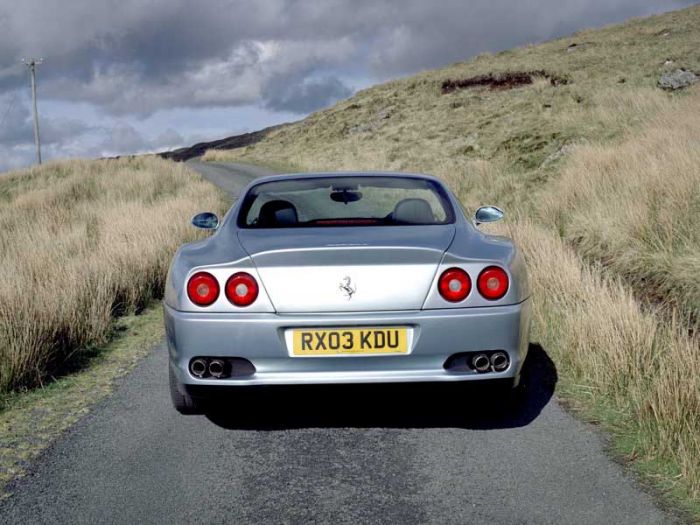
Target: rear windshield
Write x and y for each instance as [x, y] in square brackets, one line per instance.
[345, 201]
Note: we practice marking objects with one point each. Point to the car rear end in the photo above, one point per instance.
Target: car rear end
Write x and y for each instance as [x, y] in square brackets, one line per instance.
[416, 297]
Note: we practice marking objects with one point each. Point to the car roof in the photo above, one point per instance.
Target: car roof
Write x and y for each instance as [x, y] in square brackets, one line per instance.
[334, 174]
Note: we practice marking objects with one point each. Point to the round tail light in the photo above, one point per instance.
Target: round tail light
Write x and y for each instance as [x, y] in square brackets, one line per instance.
[454, 285]
[203, 289]
[242, 289]
[492, 283]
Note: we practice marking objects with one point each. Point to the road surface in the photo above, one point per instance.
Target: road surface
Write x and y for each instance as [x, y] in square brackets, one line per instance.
[369, 454]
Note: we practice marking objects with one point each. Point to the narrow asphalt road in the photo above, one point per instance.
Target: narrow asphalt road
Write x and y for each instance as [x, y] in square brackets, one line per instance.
[367, 454]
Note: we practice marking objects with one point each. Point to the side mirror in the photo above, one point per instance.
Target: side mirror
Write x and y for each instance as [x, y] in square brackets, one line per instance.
[488, 214]
[206, 221]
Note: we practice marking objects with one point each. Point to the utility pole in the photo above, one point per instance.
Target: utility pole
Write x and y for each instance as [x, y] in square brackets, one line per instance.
[31, 63]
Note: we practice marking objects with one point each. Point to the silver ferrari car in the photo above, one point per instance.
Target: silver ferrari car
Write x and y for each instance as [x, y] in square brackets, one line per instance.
[329, 278]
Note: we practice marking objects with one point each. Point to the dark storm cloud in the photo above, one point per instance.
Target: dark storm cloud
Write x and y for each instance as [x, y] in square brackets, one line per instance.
[303, 95]
[136, 57]
[133, 58]
[423, 37]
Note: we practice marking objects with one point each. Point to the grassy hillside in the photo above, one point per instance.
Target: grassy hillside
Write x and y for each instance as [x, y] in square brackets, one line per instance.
[80, 243]
[517, 133]
[635, 207]
[598, 170]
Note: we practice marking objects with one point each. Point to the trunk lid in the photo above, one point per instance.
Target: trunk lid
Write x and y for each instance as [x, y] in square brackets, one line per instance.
[347, 269]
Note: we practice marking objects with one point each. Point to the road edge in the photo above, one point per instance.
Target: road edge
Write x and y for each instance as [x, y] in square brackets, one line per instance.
[31, 421]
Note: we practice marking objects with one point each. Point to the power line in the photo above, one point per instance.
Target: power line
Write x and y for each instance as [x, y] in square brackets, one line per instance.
[31, 63]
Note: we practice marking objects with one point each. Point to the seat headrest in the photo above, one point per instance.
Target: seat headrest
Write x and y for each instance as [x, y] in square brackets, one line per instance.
[277, 213]
[414, 211]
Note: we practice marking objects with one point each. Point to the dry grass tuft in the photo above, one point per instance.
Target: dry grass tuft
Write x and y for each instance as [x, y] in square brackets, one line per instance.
[635, 207]
[81, 242]
[622, 365]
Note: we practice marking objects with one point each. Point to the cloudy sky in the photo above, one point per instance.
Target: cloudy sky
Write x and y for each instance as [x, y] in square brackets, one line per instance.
[127, 76]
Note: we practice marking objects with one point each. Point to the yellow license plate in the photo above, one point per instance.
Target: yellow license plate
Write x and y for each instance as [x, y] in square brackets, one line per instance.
[339, 341]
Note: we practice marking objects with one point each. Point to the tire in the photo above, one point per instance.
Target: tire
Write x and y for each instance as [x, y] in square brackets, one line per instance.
[183, 403]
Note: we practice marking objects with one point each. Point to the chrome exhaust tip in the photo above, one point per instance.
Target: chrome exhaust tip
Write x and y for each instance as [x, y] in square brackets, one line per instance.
[198, 367]
[481, 363]
[499, 361]
[217, 368]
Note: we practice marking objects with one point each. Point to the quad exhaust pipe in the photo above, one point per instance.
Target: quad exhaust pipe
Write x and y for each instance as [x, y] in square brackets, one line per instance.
[496, 362]
[217, 368]
[203, 367]
[198, 367]
[499, 361]
[481, 363]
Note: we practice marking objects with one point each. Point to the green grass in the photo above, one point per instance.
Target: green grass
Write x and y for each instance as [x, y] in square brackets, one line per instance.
[31, 420]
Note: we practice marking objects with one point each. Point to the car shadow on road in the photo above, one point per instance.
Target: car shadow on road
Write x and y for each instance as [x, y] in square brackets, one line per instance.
[418, 405]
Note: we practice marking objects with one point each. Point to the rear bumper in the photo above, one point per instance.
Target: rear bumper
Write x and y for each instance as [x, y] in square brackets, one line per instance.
[260, 338]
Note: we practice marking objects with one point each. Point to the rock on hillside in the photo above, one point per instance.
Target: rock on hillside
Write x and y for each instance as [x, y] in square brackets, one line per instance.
[678, 79]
